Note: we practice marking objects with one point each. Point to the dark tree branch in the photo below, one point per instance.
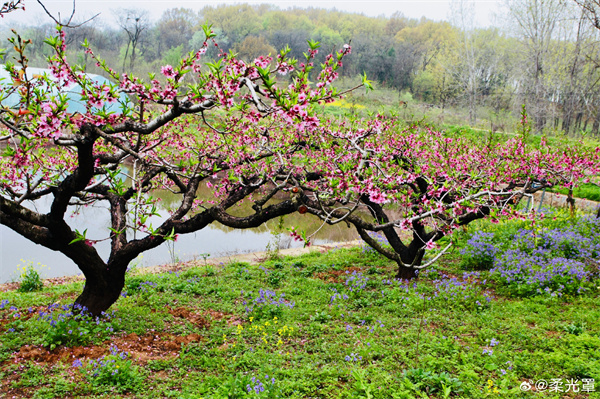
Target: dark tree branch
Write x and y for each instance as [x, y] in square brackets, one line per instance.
[10, 6]
[17, 211]
[80, 178]
[67, 24]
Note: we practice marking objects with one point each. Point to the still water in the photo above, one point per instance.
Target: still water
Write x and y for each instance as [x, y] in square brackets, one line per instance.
[215, 240]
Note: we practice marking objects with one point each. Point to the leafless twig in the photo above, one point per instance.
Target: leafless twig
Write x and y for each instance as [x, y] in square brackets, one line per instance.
[10, 6]
[58, 21]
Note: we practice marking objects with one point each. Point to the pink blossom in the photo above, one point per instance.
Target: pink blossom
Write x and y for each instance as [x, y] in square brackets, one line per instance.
[377, 197]
[168, 71]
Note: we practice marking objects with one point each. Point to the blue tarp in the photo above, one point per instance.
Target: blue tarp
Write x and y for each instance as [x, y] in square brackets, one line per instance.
[73, 92]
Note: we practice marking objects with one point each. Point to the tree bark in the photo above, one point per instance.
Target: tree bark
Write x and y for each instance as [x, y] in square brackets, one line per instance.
[101, 291]
[406, 273]
[411, 256]
[571, 202]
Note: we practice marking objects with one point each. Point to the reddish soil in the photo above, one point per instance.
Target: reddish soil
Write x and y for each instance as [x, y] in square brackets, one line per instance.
[337, 276]
[194, 318]
[141, 348]
[152, 347]
[42, 356]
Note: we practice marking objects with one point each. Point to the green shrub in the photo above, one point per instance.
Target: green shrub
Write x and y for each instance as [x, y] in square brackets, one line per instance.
[30, 279]
[113, 372]
[431, 382]
[76, 327]
[275, 277]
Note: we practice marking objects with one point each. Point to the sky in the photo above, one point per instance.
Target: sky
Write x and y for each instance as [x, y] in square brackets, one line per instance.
[433, 9]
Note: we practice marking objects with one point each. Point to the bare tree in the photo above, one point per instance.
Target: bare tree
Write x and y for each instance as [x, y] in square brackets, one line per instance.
[68, 23]
[535, 21]
[592, 10]
[463, 13]
[134, 23]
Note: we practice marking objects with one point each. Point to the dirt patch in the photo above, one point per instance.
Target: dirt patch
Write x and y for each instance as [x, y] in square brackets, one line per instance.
[553, 334]
[153, 346]
[203, 318]
[196, 319]
[337, 276]
[141, 348]
[41, 355]
[9, 287]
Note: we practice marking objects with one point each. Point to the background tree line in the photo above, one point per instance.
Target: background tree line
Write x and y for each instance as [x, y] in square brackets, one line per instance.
[546, 55]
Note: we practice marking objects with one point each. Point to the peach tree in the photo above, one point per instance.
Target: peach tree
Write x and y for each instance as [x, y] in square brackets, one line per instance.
[417, 185]
[240, 128]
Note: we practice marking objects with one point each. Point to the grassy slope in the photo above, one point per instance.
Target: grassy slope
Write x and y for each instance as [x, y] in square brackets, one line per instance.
[189, 335]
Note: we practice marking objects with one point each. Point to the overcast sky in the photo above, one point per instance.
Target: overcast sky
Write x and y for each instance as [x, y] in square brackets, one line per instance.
[433, 9]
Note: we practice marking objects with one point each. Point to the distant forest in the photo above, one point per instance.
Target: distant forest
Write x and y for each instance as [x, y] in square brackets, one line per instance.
[547, 56]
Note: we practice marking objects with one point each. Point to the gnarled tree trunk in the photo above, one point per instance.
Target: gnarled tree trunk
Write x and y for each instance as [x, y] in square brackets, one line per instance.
[101, 290]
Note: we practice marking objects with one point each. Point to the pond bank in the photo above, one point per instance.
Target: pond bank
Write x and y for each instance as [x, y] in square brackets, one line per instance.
[252, 258]
[558, 200]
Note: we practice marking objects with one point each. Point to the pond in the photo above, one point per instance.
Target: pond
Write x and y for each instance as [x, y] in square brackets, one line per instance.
[215, 240]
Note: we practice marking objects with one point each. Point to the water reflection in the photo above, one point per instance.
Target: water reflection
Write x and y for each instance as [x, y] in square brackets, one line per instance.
[216, 239]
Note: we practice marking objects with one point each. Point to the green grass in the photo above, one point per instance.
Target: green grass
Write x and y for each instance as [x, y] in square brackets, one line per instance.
[588, 191]
[341, 327]
[451, 118]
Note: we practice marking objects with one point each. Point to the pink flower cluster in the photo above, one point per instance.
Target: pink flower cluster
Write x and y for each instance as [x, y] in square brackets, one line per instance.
[49, 123]
[168, 71]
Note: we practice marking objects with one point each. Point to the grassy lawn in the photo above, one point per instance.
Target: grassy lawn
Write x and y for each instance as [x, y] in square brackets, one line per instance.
[587, 190]
[326, 325]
